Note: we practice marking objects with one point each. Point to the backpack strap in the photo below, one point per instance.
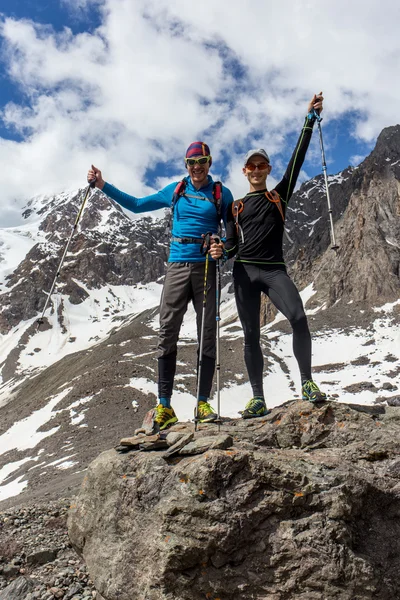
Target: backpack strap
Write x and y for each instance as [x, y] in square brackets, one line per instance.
[237, 208]
[178, 192]
[217, 197]
[275, 198]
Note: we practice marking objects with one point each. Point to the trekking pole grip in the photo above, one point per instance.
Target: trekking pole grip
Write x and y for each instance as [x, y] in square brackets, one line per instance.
[206, 245]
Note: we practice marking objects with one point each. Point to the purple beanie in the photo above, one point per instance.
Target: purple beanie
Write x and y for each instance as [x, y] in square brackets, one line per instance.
[198, 149]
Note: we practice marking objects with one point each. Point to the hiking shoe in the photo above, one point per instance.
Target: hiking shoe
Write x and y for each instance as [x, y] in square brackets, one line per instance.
[165, 417]
[311, 392]
[255, 407]
[206, 413]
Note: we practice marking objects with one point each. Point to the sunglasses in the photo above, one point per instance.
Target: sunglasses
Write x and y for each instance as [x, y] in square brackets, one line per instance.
[263, 166]
[200, 161]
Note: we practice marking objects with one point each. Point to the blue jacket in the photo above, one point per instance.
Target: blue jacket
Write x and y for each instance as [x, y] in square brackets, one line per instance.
[192, 216]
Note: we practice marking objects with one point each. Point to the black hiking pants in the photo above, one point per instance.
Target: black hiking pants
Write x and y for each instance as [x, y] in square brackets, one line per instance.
[184, 282]
[249, 281]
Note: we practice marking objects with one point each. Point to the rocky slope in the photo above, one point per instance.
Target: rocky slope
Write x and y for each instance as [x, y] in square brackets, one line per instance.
[37, 561]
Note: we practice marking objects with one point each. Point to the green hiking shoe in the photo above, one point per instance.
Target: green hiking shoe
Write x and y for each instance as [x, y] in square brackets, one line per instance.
[311, 392]
[165, 417]
[205, 413]
[255, 407]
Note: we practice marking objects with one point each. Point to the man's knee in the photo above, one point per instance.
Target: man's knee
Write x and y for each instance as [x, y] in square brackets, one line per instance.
[166, 346]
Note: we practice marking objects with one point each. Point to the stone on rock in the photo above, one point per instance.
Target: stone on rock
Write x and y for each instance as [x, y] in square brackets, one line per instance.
[174, 436]
[159, 444]
[139, 439]
[202, 444]
[179, 444]
[149, 426]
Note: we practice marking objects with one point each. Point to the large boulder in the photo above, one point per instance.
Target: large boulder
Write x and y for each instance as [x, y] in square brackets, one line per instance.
[303, 503]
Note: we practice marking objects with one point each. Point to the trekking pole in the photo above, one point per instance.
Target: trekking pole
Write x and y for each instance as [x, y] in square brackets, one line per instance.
[217, 240]
[314, 113]
[40, 320]
[205, 248]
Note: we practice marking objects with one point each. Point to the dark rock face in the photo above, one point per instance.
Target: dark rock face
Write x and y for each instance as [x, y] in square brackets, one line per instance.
[365, 208]
[304, 504]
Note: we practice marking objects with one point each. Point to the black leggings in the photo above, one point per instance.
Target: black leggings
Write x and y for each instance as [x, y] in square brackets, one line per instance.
[250, 280]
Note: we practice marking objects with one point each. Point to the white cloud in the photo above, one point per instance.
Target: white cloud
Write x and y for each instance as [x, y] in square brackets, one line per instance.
[158, 74]
[356, 159]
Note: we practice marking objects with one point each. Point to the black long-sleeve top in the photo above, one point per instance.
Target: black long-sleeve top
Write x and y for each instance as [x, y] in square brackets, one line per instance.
[261, 221]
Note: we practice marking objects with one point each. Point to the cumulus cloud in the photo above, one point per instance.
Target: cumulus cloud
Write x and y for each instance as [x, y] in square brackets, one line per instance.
[156, 75]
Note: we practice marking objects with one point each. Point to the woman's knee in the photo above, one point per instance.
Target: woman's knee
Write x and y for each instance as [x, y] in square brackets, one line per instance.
[299, 322]
[251, 337]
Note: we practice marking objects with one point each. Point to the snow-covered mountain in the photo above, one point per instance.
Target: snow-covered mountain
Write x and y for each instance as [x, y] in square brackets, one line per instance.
[84, 379]
[109, 261]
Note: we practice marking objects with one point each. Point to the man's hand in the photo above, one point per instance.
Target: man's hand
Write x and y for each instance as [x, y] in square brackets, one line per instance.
[216, 249]
[94, 174]
[316, 103]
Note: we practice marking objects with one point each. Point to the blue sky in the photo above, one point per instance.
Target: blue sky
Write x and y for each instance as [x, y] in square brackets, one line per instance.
[53, 13]
[128, 85]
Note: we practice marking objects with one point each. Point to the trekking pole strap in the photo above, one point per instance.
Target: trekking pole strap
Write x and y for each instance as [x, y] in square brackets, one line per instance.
[314, 115]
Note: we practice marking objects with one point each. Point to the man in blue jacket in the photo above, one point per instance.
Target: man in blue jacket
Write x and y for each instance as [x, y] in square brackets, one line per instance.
[196, 211]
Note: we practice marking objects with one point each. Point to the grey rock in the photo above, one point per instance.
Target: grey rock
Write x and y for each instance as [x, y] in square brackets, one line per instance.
[318, 519]
[57, 592]
[182, 440]
[389, 386]
[42, 556]
[17, 590]
[173, 437]
[205, 443]
[158, 445]
[394, 401]
[73, 590]
[10, 570]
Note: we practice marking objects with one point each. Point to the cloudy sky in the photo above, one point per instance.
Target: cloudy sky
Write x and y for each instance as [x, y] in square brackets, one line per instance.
[128, 84]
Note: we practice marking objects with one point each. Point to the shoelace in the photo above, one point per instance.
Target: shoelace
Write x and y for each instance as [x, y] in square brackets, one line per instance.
[161, 411]
[206, 407]
[254, 403]
[311, 386]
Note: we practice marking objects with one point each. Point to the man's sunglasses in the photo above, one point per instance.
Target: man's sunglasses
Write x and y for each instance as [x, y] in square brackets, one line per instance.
[263, 166]
[201, 161]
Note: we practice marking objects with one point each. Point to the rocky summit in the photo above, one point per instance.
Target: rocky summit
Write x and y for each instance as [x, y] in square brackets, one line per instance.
[301, 504]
